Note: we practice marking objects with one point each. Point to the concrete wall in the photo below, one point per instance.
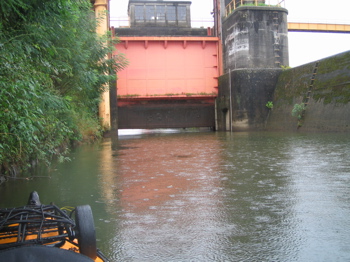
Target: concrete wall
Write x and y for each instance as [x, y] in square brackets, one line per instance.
[243, 94]
[328, 109]
[255, 37]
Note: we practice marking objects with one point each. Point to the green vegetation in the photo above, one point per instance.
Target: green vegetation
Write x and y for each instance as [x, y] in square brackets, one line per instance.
[262, 4]
[53, 69]
[258, 4]
[293, 83]
[269, 104]
[298, 110]
[128, 96]
[285, 67]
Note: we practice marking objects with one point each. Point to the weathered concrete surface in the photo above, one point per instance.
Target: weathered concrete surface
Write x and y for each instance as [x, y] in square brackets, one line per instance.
[255, 37]
[328, 109]
[166, 113]
[242, 98]
[223, 104]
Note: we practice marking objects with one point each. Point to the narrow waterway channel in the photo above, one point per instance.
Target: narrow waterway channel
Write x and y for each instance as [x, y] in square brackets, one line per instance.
[206, 196]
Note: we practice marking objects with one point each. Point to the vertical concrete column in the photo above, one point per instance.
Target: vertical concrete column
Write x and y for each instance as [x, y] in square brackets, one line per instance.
[255, 37]
[255, 47]
[101, 9]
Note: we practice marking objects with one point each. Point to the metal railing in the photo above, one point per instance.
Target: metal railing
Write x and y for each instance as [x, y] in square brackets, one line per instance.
[236, 3]
[120, 21]
[199, 22]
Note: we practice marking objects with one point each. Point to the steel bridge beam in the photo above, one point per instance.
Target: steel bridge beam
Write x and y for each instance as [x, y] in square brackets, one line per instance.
[318, 27]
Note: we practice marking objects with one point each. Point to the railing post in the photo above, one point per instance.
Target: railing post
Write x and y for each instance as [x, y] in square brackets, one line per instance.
[256, 2]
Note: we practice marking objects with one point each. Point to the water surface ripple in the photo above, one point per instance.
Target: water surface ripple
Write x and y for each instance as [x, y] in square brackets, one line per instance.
[209, 196]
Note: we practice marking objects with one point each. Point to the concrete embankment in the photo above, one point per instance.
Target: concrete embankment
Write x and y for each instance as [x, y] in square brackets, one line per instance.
[322, 88]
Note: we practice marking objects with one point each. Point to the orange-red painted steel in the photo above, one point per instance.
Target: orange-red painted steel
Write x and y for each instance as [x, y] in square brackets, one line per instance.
[168, 66]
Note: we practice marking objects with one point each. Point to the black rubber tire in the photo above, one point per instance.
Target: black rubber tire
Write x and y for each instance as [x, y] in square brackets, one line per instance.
[85, 230]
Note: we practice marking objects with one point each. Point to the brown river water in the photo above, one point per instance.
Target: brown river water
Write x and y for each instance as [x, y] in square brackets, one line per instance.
[206, 196]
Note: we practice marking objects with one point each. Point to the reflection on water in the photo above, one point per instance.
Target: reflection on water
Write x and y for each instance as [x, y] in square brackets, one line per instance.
[209, 196]
[168, 191]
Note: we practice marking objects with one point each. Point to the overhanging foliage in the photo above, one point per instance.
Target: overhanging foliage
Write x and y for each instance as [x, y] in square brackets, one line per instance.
[53, 69]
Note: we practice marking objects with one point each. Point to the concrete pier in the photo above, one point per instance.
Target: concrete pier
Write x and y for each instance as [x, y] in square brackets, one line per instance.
[255, 49]
[255, 37]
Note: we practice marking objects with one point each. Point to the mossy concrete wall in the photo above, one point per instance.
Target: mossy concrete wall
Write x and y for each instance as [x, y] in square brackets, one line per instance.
[328, 109]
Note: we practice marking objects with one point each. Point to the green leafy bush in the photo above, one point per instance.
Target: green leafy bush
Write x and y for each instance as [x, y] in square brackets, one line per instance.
[53, 70]
[298, 110]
